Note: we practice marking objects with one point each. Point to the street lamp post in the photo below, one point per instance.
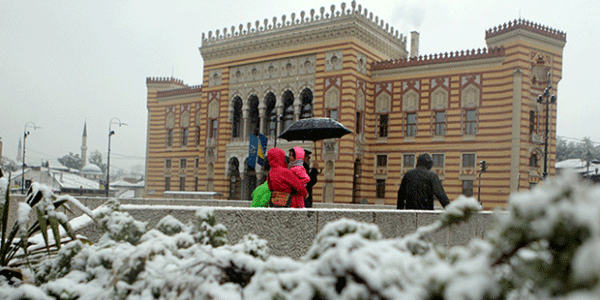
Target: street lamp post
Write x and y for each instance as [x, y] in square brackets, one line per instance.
[110, 133]
[25, 134]
[548, 99]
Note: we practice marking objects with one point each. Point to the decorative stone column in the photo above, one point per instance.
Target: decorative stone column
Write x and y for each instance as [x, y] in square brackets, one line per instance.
[279, 121]
[244, 133]
[262, 110]
[297, 108]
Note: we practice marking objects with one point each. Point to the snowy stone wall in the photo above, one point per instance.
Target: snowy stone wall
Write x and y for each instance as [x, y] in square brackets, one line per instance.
[290, 232]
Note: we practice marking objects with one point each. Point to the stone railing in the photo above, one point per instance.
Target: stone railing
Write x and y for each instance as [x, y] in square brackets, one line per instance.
[289, 232]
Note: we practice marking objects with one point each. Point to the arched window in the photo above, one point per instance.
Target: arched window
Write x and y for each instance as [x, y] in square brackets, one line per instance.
[237, 118]
[270, 114]
[533, 160]
[234, 179]
[288, 109]
[253, 115]
[307, 107]
[249, 183]
[356, 181]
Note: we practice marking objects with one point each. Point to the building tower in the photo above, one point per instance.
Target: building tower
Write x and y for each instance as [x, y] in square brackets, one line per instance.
[84, 146]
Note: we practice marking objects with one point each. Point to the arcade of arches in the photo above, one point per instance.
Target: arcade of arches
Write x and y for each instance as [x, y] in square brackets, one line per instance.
[254, 116]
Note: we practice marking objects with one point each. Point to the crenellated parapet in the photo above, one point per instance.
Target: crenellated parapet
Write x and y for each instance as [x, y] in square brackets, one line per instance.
[278, 32]
[163, 80]
[524, 24]
[302, 19]
[439, 58]
[179, 91]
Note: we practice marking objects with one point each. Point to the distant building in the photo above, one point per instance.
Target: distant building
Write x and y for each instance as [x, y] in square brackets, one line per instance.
[582, 167]
[60, 180]
[462, 107]
[84, 146]
[124, 189]
[92, 172]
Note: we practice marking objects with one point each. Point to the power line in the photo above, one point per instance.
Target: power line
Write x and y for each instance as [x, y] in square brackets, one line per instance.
[575, 139]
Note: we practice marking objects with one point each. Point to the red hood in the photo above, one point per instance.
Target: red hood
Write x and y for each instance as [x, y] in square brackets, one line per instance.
[299, 153]
[276, 158]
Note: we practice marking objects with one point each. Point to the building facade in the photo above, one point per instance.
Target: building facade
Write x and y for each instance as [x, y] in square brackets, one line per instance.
[461, 107]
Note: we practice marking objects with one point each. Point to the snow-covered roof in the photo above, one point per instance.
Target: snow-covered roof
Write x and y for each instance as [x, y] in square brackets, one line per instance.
[574, 163]
[17, 174]
[128, 194]
[121, 183]
[68, 180]
[91, 169]
[578, 165]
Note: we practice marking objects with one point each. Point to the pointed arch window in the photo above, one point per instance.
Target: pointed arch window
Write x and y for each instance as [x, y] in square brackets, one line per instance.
[253, 115]
[288, 109]
[271, 114]
[237, 117]
[533, 160]
[307, 107]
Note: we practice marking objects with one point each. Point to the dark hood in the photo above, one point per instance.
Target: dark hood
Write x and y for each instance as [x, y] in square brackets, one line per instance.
[276, 158]
[424, 160]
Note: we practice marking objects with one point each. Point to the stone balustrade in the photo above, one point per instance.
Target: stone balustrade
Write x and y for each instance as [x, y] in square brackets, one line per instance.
[290, 232]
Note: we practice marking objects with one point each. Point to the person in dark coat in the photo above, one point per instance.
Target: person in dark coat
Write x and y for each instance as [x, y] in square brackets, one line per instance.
[419, 185]
[312, 173]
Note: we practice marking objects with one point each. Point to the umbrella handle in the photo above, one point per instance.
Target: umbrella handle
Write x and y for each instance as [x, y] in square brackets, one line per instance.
[316, 148]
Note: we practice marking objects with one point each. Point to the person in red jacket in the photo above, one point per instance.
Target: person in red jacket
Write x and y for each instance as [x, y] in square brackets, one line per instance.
[280, 177]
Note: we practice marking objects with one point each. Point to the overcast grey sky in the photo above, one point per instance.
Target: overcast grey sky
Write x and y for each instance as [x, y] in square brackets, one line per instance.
[63, 63]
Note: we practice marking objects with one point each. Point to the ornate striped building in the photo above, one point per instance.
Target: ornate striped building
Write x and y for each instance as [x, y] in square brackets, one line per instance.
[461, 107]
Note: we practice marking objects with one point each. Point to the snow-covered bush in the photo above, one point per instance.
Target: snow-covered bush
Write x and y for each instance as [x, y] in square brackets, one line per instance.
[16, 243]
[132, 261]
[544, 246]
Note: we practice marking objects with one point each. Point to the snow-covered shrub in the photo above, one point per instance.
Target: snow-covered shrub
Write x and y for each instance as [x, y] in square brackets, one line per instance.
[331, 234]
[171, 261]
[61, 265]
[118, 225]
[206, 230]
[169, 225]
[544, 246]
[16, 242]
[252, 245]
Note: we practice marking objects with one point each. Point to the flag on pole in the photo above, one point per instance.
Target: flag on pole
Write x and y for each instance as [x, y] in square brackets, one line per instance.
[252, 148]
[262, 149]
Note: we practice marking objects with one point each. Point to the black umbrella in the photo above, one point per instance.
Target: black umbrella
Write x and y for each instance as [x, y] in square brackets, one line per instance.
[314, 129]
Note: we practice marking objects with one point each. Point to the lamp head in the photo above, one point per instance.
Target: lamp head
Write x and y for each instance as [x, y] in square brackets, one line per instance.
[540, 99]
[553, 99]
[547, 91]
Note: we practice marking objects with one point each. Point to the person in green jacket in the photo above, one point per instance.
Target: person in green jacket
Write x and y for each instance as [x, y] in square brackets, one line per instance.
[261, 196]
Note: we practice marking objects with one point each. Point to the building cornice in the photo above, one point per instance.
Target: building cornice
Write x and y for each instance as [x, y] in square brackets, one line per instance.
[388, 74]
[352, 23]
[439, 62]
[526, 25]
[179, 91]
[519, 29]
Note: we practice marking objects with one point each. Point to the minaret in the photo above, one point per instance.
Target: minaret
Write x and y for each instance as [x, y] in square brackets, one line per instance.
[84, 145]
[20, 152]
